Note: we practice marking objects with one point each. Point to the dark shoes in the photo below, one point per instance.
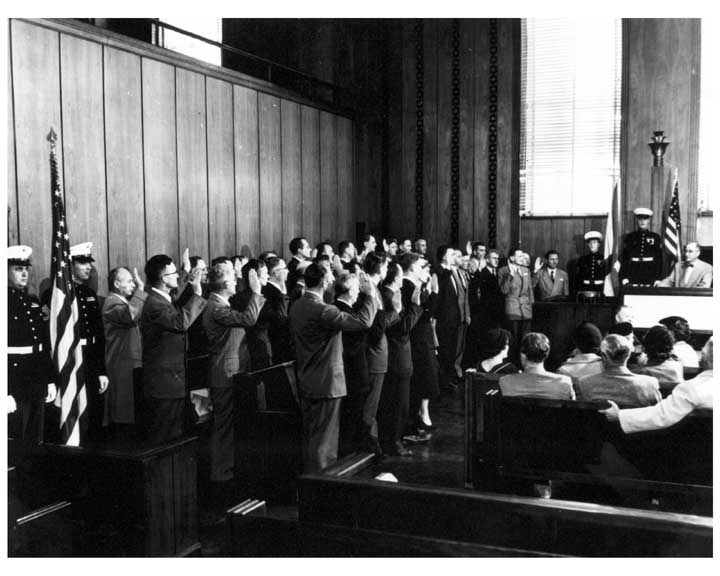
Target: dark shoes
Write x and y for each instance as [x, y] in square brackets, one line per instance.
[397, 449]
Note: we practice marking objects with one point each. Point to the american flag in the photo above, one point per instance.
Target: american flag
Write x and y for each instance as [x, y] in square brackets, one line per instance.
[671, 235]
[64, 318]
[610, 248]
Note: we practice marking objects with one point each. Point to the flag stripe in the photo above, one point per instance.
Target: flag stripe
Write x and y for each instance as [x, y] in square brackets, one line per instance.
[671, 233]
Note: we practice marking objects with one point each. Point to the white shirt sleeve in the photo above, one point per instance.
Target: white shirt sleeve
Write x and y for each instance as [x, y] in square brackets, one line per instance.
[662, 415]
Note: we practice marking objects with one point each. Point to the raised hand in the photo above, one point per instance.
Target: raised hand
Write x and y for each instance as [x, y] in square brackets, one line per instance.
[254, 282]
[195, 279]
[366, 285]
[186, 260]
[51, 393]
[104, 383]
[138, 281]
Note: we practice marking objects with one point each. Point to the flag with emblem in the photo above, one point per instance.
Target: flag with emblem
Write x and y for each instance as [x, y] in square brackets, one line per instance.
[610, 248]
[64, 318]
[671, 233]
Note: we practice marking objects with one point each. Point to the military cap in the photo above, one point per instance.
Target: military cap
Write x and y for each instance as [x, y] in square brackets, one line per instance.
[19, 255]
[593, 235]
[643, 212]
[82, 252]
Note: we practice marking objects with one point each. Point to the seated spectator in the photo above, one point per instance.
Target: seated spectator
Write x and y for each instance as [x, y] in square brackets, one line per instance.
[586, 362]
[536, 381]
[680, 330]
[686, 397]
[495, 347]
[626, 329]
[660, 360]
[616, 382]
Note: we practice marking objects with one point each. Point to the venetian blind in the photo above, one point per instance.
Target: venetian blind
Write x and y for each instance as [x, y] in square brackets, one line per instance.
[570, 117]
[210, 28]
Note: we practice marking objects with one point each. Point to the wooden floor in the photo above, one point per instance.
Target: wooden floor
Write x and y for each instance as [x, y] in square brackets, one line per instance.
[439, 462]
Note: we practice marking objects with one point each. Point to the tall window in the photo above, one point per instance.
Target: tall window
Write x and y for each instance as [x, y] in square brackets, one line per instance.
[570, 119]
[210, 28]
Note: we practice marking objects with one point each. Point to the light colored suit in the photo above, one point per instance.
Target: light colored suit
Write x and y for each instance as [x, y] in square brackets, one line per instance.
[700, 277]
[518, 292]
[547, 288]
[621, 386]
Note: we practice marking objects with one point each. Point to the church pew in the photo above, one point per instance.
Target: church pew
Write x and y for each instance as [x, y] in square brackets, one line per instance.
[518, 445]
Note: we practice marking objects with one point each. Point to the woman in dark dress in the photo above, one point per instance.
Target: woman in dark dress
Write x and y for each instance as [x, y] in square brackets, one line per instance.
[493, 353]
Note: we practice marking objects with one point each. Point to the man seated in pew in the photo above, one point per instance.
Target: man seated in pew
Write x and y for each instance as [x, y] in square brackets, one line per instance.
[535, 381]
[680, 329]
[659, 360]
[692, 273]
[686, 397]
[616, 382]
[586, 360]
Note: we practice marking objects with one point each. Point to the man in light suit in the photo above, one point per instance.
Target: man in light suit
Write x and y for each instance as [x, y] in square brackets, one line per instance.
[164, 324]
[692, 273]
[121, 313]
[228, 356]
[317, 330]
[516, 285]
[550, 282]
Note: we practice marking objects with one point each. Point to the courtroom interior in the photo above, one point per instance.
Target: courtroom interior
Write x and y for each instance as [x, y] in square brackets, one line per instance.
[355, 287]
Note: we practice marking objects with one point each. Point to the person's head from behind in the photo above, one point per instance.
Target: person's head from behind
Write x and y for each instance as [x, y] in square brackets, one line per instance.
[679, 328]
[534, 349]
[495, 342]
[318, 277]
[325, 249]
[624, 329]
[161, 273]
[222, 279]
[259, 267]
[587, 338]
[706, 356]
[347, 287]
[394, 277]
[376, 265]
[658, 343]
[411, 265]
[615, 350]
[624, 314]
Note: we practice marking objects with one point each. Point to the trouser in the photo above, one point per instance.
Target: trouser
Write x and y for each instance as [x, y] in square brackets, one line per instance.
[222, 456]
[518, 328]
[370, 408]
[165, 419]
[321, 422]
[451, 346]
[351, 422]
[26, 423]
[394, 408]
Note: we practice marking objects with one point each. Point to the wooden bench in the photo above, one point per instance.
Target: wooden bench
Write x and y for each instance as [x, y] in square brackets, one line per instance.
[518, 445]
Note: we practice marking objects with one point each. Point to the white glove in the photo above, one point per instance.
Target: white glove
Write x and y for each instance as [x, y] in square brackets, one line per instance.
[51, 393]
[11, 405]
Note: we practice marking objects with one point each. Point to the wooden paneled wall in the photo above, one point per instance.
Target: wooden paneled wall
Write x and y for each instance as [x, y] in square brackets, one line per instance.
[161, 152]
[474, 126]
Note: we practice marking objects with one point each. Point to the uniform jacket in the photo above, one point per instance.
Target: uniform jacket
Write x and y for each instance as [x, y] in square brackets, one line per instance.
[546, 288]
[641, 259]
[91, 330]
[518, 292]
[590, 272]
[398, 335]
[621, 386]
[317, 331]
[163, 327]
[700, 277]
[228, 353]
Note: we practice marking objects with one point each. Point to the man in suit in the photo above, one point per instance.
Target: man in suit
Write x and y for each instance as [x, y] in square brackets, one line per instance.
[550, 282]
[492, 300]
[452, 311]
[121, 313]
[301, 252]
[641, 259]
[228, 356]
[92, 338]
[257, 338]
[516, 285]
[30, 369]
[692, 273]
[317, 330]
[163, 326]
[275, 311]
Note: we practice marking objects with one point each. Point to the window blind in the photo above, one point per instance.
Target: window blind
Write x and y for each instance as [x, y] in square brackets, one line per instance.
[570, 117]
[210, 28]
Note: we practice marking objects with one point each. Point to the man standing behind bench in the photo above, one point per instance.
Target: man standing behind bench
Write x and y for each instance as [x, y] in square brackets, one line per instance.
[317, 330]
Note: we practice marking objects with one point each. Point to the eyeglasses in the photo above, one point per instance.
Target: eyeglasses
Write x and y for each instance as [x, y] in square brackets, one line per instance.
[172, 274]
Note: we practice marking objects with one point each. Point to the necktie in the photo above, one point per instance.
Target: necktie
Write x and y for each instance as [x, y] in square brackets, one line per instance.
[552, 276]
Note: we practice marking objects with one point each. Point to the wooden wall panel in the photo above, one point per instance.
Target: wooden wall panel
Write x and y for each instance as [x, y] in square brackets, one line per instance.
[431, 170]
[398, 101]
[270, 173]
[404, 211]
[12, 214]
[247, 176]
[124, 159]
[36, 82]
[480, 129]
[192, 162]
[466, 201]
[310, 175]
[346, 207]
[442, 216]
[160, 159]
[328, 179]
[292, 212]
[221, 174]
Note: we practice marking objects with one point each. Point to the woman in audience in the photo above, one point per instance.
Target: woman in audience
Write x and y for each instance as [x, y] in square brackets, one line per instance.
[586, 362]
[535, 381]
[616, 382]
[495, 346]
[660, 360]
[680, 330]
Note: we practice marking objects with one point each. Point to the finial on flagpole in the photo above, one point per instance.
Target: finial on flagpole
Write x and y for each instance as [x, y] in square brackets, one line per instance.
[52, 136]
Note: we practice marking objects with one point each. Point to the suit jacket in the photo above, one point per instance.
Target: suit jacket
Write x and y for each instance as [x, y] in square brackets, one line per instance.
[163, 326]
[549, 385]
[275, 315]
[686, 397]
[123, 351]
[377, 343]
[317, 330]
[354, 352]
[700, 277]
[256, 333]
[546, 289]
[292, 274]
[621, 386]
[518, 292]
[228, 353]
[492, 300]
[398, 335]
[452, 305]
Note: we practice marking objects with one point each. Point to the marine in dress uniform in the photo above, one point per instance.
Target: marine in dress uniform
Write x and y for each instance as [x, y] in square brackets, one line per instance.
[92, 338]
[591, 269]
[30, 372]
[641, 259]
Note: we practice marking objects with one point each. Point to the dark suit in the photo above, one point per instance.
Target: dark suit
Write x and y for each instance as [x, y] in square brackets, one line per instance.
[163, 326]
[228, 356]
[292, 273]
[425, 377]
[317, 331]
[258, 340]
[547, 288]
[275, 315]
[452, 311]
[492, 300]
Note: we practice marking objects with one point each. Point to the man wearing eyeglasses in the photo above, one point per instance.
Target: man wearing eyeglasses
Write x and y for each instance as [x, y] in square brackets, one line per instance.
[164, 324]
